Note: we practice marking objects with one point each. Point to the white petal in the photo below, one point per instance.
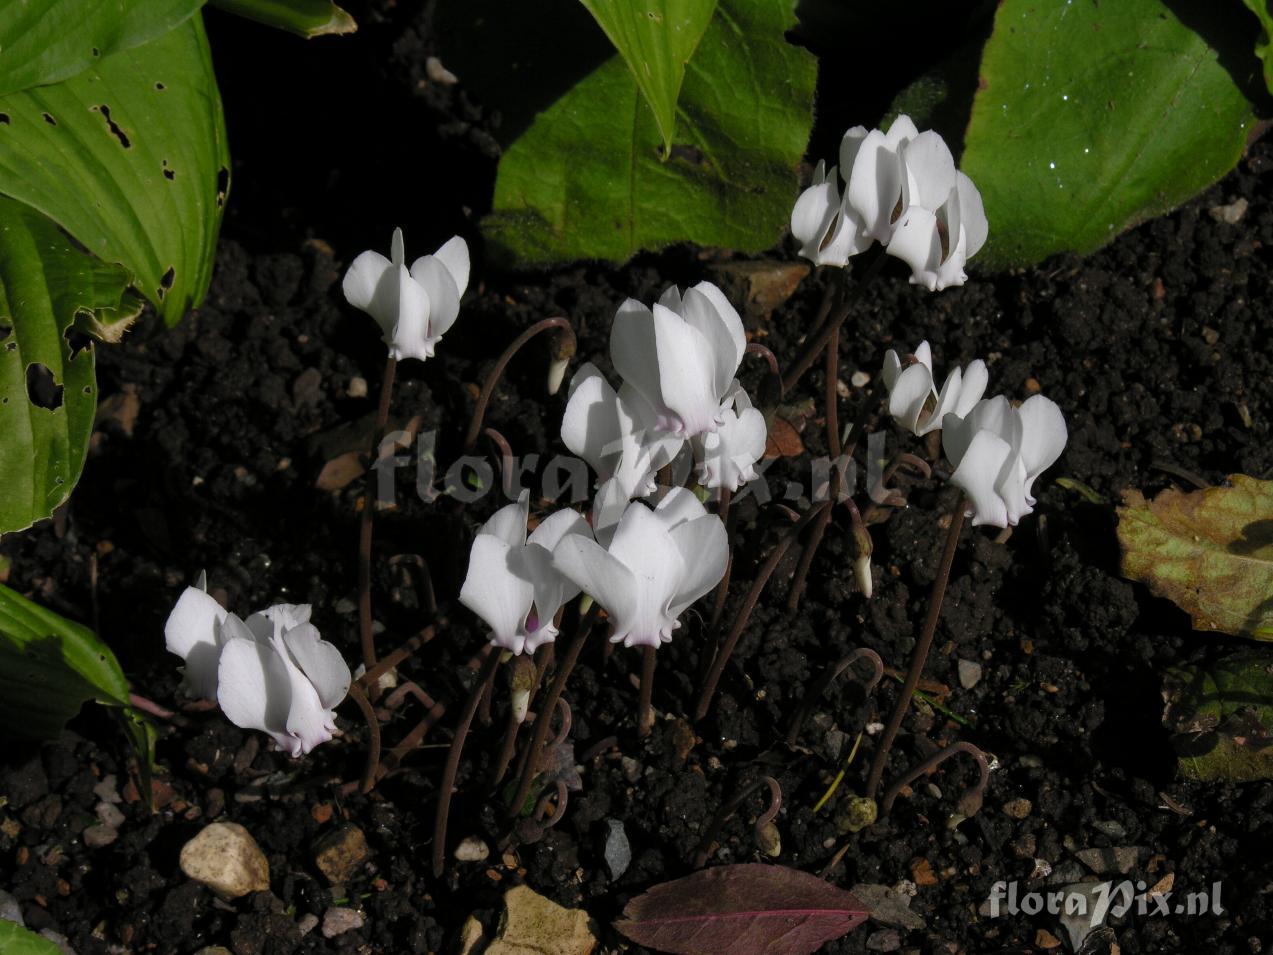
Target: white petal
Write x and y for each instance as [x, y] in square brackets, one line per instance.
[552, 590]
[846, 240]
[308, 721]
[509, 522]
[671, 298]
[729, 456]
[991, 414]
[930, 171]
[850, 143]
[591, 423]
[443, 293]
[891, 369]
[598, 574]
[678, 505]
[407, 304]
[728, 337]
[875, 185]
[1043, 437]
[979, 472]
[363, 278]
[915, 241]
[812, 217]
[254, 689]
[1010, 486]
[634, 351]
[454, 254]
[910, 392]
[902, 131]
[643, 545]
[287, 616]
[495, 592]
[976, 377]
[687, 371]
[704, 548]
[193, 632]
[924, 355]
[654, 448]
[972, 213]
[608, 505]
[321, 663]
[397, 248]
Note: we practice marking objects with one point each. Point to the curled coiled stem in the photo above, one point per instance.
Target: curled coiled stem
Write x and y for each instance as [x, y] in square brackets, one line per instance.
[904, 463]
[708, 844]
[820, 686]
[969, 803]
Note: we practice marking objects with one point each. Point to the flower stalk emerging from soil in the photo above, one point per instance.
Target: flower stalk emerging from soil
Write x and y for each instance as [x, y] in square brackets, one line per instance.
[969, 803]
[766, 832]
[820, 685]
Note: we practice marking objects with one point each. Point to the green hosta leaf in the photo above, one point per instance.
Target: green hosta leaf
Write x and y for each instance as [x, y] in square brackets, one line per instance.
[47, 394]
[656, 38]
[1262, 46]
[1221, 717]
[130, 158]
[16, 940]
[50, 667]
[307, 18]
[44, 41]
[587, 179]
[1091, 117]
[1209, 552]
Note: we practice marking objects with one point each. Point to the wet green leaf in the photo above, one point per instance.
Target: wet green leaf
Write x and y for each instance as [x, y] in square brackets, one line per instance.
[1209, 552]
[44, 41]
[656, 38]
[16, 940]
[129, 156]
[307, 18]
[1221, 717]
[48, 392]
[587, 178]
[1092, 117]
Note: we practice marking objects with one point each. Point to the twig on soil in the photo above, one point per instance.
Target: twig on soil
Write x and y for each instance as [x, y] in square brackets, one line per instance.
[764, 821]
[969, 803]
[922, 648]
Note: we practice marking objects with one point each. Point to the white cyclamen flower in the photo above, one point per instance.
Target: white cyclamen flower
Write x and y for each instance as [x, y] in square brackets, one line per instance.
[829, 229]
[913, 398]
[657, 563]
[614, 432]
[271, 672]
[874, 175]
[511, 582]
[727, 456]
[680, 356]
[414, 307]
[942, 222]
[999, 450]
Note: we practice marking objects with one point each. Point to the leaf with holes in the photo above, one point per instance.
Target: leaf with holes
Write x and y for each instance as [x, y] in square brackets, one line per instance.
[47, 390]
[1221, 717]
[1092, 117]
[753, 908]
[50, 667]
[1209, 552]
[656, 38]
[16, 940]
[307, 18]
[44, 41]
[587, 179]
[130, 158]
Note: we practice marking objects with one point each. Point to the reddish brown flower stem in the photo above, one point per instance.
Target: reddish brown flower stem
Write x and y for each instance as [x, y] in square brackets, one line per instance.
[645, 708]
[819, 686]
[485, 677]
[969, 803]
[484, 397]
[372, 766]
[922, 648]
[366, 636]
[707, 845]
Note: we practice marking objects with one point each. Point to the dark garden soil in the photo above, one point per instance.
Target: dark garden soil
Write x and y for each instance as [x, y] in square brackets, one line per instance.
[214, 433]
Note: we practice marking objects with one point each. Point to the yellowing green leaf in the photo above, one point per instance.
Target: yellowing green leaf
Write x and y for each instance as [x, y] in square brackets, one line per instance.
[1210, 552]
[1221, 717]
[656, 38]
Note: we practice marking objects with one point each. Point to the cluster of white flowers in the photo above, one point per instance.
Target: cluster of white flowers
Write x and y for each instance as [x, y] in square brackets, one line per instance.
[900, 188]
[997, 449]
[271, 672]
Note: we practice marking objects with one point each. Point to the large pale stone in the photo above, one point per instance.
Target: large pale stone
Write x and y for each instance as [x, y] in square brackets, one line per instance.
[532, 925]
[226, 859]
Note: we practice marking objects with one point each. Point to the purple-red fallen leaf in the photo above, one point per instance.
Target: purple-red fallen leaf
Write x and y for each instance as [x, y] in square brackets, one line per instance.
[752, 908]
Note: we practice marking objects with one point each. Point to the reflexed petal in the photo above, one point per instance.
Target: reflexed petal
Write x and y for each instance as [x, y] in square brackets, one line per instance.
[686, 373]
[287, 616]
[362, 279]
[193, 632]
[915, 241]
[598, 574]
[901, 132]
[729, 456]
[552, 590]
[509, 522]
[924, 355]
[813, 215]
[254, 689]
[976, 377]
[930, 171]
[634, 351]
[947, 400]
[656, 448]
[454, 254]
[591, 423]
[410, 338]
[957, 431]
[704, 548]
[671, 298]
[728, 337]
[1010, 486]
[972, 215]
[678, 505]
[643, 545]
[608, 505]
[308, 721]
[977, 476]
[846, 240]
[321, 663]
[850, 143]
[950, 273]
[891, 369]
[495, 592]
[397, 248]
[910, 392]
[1043, 437]
[443, 294]
[875, 184]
